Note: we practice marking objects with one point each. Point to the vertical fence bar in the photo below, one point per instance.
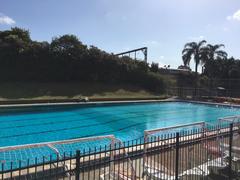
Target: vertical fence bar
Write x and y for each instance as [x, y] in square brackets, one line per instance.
[230, 150]
[28, 164]
[77, 170]
[2, 171]
[50, 166]
[19, 172]
[56, 174]
[35, 171]
[177, 156]
[11, 173]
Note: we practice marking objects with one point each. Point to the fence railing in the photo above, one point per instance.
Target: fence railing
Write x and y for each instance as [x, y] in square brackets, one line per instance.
[201, 92]
[212, 152]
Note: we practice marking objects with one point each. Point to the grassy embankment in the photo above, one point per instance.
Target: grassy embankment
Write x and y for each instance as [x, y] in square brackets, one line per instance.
[71, 91]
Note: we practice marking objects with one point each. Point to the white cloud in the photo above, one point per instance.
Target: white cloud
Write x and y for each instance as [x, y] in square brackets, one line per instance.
[6, 20]
[235, 16]
[161, 57]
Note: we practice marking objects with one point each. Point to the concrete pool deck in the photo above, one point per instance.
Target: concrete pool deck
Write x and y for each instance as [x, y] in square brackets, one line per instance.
[88, 103]
[173, 99]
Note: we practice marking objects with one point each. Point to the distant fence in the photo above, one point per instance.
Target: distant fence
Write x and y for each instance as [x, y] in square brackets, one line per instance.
[202, 92]
[211, 152]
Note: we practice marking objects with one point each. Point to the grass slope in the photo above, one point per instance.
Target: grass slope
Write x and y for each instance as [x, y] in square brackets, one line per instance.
[41, 91]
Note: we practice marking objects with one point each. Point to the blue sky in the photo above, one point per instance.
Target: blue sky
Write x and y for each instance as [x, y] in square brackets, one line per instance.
[164, 26]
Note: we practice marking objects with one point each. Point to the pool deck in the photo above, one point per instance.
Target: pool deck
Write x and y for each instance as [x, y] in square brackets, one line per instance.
[173, 99]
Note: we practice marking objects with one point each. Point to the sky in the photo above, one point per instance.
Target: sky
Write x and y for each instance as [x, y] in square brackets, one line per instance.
[164, 26]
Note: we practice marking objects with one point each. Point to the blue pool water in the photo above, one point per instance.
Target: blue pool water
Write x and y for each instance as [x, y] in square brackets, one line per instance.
[126, 122]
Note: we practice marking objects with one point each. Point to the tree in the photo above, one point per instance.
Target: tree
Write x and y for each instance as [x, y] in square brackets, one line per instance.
[15, 41]
[66, 59]
[68, 46]
[214, 52]
[154, 67]
[194, 50]
[198, 52]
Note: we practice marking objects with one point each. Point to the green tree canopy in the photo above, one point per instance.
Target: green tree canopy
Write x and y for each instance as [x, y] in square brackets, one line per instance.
[66, 59]
[195, 51]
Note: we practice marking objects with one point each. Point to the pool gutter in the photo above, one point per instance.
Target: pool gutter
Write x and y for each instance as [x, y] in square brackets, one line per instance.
[118, 102]
[88, 103]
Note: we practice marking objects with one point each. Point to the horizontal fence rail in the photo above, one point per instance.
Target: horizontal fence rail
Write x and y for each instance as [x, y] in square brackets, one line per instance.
[202, 92]
[209, 152]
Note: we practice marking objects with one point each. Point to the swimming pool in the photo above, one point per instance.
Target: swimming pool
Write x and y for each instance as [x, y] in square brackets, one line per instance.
[126, 121]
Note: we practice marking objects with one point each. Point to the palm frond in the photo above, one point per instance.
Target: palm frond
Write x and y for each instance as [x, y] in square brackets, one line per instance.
[190, 44]
[220, 45]
[186, 50]
[201, 43]
[210, 46]
[187, 57]
[221, 54]
[215, 52]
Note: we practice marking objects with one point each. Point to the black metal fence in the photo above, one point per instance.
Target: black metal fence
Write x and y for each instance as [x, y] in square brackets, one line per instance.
[198, 153]
[202, 92]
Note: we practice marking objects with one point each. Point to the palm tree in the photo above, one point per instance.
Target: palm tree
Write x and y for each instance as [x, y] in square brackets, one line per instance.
[214, 52]
[194, 50]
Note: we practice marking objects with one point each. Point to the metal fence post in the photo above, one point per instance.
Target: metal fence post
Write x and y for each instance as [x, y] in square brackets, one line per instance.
[177, 156]
[230, 150]
[77, 169]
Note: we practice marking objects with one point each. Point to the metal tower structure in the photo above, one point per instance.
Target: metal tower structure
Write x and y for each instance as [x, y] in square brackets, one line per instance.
[143, 50]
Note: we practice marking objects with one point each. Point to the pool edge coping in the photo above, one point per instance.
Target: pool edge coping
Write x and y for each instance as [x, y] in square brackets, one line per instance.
[88, 103]
[118, 102]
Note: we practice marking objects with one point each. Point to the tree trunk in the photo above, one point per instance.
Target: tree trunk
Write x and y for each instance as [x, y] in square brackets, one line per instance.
[196, 77]
[196, 68]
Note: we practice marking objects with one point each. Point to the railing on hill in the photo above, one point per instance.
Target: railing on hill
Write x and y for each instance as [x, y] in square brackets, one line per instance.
[202, 92]
[211, 152]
